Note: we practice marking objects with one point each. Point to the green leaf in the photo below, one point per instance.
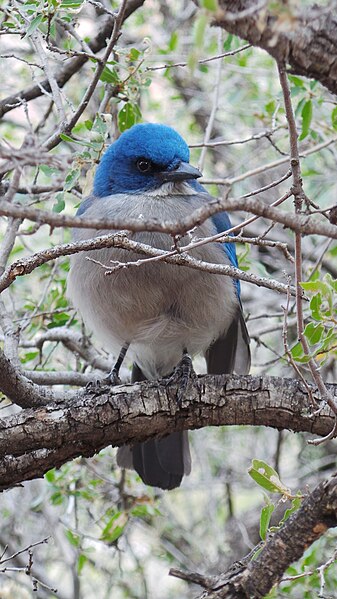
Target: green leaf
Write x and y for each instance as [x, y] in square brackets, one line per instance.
[265, 476]
[50, 475]
[65, 137]
[57, 498]
[71, 179]
[71, 3]
[109, 76]
[200, 25]
[73, 538]
[128, 116]
[297, 350]
[296, 81]
[298, 354]
[172, 45]
[295, 505]
[270, 107]
[334, 118]
[81, 142]
[331, 282]
[145, 510]
[211, 5]
[100, 125]
[114, 527]
[82, 560]
[243, 255]
[59, 320]
[228, 42]
[59, 205]
[266, 513]
[30, 356]
[301, 103]
[134, 54]
[315, 306]
[306, 119]
[315, 286]
[313, 332]
[33, 25]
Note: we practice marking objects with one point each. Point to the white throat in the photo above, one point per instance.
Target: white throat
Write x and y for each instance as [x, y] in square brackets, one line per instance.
[172, 188]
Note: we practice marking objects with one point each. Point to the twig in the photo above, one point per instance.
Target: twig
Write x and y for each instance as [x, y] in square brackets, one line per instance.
[202, 61]
[232, 142]
[27, 265]
[288, 352]
[28, 548]
[36, 39]
[302, 223]
[270, 165]
[299, 197]
[70, 68]
[215, 102]
[67, 127]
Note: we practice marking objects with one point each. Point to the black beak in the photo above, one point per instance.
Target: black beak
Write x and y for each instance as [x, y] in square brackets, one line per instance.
[183, 172]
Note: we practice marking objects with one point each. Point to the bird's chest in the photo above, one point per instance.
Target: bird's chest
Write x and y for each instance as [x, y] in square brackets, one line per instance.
[152, 298]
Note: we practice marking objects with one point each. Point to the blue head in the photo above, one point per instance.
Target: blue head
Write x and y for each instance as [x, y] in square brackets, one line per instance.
[142, 159]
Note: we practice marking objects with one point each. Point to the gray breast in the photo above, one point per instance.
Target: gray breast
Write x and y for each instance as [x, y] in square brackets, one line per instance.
[160, 308]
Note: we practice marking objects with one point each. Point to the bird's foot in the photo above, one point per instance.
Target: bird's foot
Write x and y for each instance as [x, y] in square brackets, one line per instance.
[98, 386]
[112, 379]
[181, 376]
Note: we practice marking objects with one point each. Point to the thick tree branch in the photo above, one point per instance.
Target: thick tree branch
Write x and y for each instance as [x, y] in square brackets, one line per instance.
[253, 578]
[303, 37]
[36, 440]
[14, 384]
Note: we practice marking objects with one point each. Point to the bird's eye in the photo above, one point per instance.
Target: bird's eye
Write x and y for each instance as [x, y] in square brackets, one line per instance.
[144, 165]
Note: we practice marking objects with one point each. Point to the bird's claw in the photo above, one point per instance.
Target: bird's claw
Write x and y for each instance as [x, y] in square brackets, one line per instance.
[98, 386]
[181, 376]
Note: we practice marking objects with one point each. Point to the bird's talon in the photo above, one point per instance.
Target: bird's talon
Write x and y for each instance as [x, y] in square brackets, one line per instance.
[181, 376]
[96, 386]
[99, 385]
[112, 379]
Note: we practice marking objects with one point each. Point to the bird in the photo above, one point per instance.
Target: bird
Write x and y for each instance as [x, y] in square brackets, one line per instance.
[161, 313]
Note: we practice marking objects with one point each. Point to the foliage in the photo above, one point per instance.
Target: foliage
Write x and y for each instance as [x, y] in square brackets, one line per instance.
[109, 531]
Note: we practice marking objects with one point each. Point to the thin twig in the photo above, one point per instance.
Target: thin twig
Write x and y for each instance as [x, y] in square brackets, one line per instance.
[215, 103]
[299, 197]
[67, 127]
[202, 61]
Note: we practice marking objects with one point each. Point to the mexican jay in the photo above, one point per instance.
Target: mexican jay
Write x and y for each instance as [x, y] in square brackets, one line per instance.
[162, 311]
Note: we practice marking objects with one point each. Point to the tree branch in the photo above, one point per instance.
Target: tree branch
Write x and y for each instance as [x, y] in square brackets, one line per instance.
[20, 389]
[253, 578]
[25, 266]
[306, 224]
[305, 37]
[34, 441]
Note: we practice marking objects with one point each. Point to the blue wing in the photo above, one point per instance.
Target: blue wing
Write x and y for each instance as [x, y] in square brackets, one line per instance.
[222, 223]
[230, 351]
[84, 205]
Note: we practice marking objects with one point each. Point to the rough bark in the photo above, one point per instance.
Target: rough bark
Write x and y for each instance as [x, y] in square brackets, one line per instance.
[36, 440]
[303, 37]
[253, 578]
